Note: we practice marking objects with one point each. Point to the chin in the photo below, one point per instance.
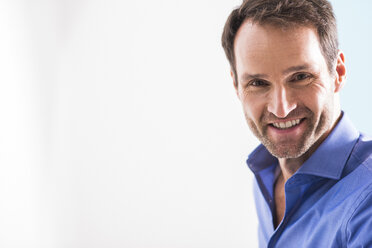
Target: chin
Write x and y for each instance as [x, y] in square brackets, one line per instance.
[286, 153]
[285, 150]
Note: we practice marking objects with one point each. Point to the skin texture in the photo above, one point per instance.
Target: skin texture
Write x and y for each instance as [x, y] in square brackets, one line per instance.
[282, 76]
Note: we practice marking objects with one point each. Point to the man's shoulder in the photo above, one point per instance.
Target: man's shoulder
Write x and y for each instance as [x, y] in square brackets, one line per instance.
[359, 223]
[363, 151]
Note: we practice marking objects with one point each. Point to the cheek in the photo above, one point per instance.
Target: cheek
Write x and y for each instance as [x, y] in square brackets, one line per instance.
[315, 99]
[253, 107]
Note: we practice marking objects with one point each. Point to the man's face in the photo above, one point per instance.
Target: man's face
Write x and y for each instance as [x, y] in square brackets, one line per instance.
[285, 87]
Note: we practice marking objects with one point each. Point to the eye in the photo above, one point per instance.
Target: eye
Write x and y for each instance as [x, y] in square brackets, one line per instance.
[300, 77]
[257, 83]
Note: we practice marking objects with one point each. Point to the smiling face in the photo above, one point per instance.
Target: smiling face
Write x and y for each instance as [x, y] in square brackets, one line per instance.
[288, 96]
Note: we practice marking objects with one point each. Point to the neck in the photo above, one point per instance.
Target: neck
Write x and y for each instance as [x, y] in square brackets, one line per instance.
[289, 166]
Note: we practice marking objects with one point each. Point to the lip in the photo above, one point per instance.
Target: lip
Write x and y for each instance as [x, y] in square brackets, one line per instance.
[285, 120]
[288, 131]
[283, 123]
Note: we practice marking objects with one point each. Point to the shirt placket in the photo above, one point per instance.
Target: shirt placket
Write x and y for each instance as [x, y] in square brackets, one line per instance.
[295, 188]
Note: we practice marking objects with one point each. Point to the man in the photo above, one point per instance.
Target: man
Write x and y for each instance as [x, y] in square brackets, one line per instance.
[313, 171]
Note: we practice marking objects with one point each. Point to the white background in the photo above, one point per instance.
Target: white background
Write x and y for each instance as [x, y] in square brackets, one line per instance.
[120, 126]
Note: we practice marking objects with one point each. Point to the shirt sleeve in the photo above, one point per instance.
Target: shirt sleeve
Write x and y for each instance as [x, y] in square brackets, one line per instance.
[359, 226]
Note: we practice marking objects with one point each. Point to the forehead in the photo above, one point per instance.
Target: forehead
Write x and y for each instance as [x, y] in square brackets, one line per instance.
[268, 48]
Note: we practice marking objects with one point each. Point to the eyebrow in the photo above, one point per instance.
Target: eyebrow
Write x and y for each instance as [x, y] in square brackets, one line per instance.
[297, 68]
[247, 76]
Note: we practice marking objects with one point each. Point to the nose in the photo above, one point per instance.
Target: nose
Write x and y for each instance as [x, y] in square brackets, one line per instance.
[281, 102]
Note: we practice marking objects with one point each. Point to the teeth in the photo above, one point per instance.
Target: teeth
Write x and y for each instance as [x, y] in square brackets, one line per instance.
[287, 124]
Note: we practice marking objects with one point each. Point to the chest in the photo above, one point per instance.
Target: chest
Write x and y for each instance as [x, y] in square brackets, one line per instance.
[306, 214]
[279, 199]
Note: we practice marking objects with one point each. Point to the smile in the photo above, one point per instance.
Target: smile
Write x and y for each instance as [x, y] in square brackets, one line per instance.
[287, 124]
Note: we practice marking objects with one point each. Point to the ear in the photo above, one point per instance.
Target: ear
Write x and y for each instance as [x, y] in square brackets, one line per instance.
[235, 83]
[340, 72]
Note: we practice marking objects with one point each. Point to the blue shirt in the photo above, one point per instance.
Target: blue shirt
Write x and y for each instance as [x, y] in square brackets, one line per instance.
[328, 200]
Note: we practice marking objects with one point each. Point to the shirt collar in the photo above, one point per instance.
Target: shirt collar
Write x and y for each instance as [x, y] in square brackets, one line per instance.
[327, 161]
[331, 156]
[260, 159]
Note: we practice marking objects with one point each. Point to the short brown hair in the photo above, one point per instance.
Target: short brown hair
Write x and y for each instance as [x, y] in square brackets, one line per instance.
[284, 13]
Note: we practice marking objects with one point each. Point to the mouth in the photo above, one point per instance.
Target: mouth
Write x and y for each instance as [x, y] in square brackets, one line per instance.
[286, 124]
